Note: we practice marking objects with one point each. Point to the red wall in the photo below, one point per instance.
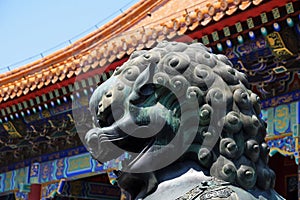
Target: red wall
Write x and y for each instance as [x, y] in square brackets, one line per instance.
[284, 168]
[35, 192]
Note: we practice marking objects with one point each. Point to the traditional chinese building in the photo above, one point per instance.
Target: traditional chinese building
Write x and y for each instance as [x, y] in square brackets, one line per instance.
[41, 154]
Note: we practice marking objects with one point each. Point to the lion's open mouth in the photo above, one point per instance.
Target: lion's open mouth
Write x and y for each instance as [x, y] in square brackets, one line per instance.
[135, 125]
[109, 116]
[106, 118]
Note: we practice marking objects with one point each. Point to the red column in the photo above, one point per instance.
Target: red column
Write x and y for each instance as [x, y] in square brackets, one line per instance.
[35, 192]
[299, 182]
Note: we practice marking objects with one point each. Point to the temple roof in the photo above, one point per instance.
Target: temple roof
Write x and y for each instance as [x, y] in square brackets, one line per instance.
[139, 27]
[35, 99]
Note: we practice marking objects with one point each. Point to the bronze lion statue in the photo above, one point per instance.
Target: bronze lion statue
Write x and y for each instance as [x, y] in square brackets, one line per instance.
[188, 121]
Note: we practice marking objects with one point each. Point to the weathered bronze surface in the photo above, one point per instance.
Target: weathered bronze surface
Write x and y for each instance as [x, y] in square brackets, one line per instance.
[189, 122]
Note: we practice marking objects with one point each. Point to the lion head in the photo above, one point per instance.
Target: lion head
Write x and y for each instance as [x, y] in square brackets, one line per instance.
[180, 102]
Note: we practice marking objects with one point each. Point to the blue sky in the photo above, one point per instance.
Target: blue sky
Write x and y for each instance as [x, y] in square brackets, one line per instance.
[31, 27]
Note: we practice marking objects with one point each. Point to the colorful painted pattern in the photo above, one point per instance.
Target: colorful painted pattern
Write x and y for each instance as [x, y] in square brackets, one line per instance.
[282, 119]
[252, 49]
[49, 190]
[21, 196]
[46, 157]
[283, 128]
[282, 99]
[77, 166]
[285, 145]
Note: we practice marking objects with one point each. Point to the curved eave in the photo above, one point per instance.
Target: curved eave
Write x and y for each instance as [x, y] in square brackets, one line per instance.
[117, 25]
[120, 38]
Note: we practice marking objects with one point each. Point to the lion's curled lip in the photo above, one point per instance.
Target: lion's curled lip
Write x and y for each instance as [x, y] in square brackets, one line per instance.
[124, 135]
[99, 142]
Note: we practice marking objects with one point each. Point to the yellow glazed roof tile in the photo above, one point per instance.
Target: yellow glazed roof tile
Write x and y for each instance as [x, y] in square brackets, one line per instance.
[146, 23]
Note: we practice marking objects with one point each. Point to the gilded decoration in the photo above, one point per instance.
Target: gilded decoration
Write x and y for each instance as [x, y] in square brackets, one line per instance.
[278, 46]
[11, 130]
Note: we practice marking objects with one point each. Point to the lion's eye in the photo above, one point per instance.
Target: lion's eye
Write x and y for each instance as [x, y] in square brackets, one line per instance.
[174, 62]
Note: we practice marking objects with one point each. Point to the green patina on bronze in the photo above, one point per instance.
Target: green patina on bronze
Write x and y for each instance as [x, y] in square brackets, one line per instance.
[187, 94]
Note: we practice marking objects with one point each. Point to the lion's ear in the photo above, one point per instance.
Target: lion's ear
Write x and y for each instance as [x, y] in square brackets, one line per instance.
[144, 86]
